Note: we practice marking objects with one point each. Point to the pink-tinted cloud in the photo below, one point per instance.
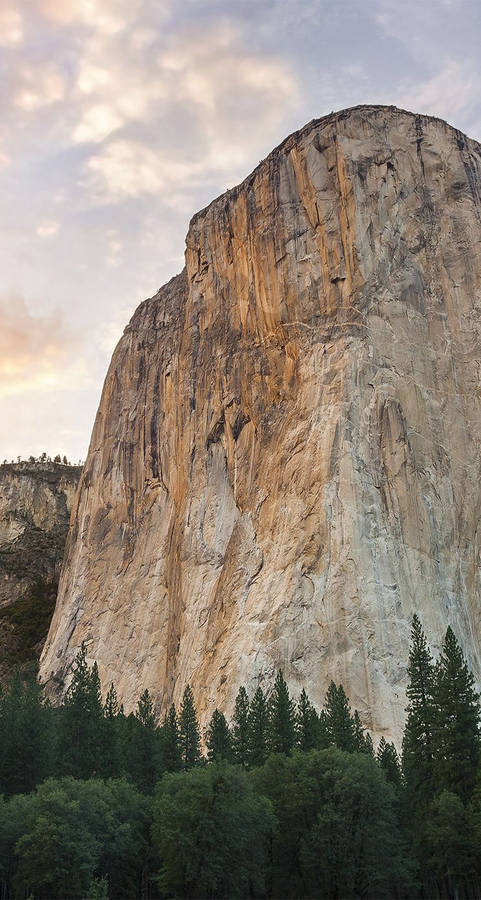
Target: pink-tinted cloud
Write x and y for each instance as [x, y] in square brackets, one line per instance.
[37, 352]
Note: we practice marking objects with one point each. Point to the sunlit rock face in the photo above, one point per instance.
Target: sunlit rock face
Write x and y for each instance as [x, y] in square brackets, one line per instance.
[285, 464]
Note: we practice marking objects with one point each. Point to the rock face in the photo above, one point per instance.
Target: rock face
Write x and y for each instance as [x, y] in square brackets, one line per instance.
[285, 463]
[35, 503]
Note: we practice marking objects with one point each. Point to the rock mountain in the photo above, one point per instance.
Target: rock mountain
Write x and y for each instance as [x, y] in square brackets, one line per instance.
[35, 503]
[285, 464]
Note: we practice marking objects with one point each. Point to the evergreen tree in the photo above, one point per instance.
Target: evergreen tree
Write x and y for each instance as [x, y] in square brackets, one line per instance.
[145, 755]
[212, 832]
[362, 738]
[81, 722]
[323, 733]
[114, 737]
[111, 705]
[219, 738]
[240, 728]
[339, 722]
[145, 711]
[388, 759]
[448, 850]
[257, 724]
[457, 736]
[307, 723]
[281, 718]
[336, 833]
[171, 742]
[26, 737]
[418, 760]
[189, 731]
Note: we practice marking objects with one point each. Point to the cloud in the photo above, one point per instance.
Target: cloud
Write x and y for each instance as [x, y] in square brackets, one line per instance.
[37, 353]
[450, 92]
[11, 27]
[38, 87]
[127, 169]
[47, 229]
[107, 16]
[96, 124]
[187, 111]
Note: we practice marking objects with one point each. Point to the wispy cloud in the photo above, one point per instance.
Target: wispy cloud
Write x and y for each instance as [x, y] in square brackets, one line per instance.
[133, 101]
[11, 26]
[451, 91]
[37, 352]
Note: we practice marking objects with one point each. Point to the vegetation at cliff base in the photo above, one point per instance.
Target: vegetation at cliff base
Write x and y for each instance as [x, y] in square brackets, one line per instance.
[285, 801]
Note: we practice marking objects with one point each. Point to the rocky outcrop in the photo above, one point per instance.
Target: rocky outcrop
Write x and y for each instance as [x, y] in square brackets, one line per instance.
[35, 503]
[285, 463]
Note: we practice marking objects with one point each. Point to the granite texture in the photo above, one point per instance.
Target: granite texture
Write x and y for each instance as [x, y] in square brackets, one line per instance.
[285, 463]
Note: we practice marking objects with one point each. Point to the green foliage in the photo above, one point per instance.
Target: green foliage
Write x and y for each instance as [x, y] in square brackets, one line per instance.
[281, 718]
[304, 822]
[28, 621]
[189, 731]
[388, 759]
[82, 736]
[111, 705]
[457, 738]
[211, 832]
[337, 833]
[240, 728]
[219, 739]
[339, 723]
[98, 889]
[67, 830]
[418, 740]
[362, 740]
[448, 848]
[26, 743]
[171, 753]
[257, 730]
[307, 724]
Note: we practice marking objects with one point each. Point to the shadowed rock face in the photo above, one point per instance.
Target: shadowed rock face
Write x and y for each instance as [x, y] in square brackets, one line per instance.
[285, 462]
[35, 503]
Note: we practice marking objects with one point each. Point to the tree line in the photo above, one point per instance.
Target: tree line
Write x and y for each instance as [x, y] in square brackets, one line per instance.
[43, 458]
[282, 801]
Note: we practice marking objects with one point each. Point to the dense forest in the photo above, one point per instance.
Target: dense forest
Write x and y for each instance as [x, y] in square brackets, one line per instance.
[285, 802]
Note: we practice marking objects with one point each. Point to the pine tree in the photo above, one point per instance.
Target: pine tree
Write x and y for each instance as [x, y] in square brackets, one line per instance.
[26, 739]
[418, 759]
[339, 722]
[171, 742]
[218, 738]
[81, 723]
[257, 729]
[457, 733]
[240, 728]
[113, 752]
[189, 731]
[281, 718]
[362, 738]
[145, 757]
[145, 710]
[323, 734]
[307, 723]
[111, 705]
[388, 759]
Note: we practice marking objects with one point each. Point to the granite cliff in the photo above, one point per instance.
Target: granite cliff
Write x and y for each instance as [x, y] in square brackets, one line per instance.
[285, 462]
[35, 503]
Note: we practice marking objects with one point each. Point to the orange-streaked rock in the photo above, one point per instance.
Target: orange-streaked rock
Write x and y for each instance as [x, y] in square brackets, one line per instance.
[285, 462]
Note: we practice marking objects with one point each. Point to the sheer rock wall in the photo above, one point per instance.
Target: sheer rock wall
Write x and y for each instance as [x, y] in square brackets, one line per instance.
[285, 463]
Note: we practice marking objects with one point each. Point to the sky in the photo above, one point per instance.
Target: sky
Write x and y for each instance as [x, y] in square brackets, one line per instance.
[119, 119]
